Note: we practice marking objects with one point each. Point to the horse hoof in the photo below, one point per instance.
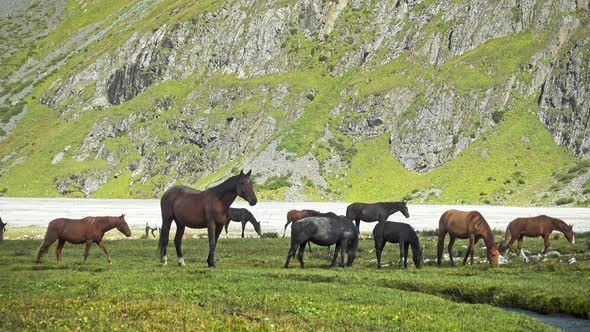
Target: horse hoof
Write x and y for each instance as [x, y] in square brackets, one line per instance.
[181, 262]
[211, 266]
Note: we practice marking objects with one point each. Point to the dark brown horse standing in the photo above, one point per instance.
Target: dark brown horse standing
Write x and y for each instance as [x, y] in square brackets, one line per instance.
[77, 231]
[201, 209]
[2, 229]
[466, 225]
[374, 212]
[534, 227]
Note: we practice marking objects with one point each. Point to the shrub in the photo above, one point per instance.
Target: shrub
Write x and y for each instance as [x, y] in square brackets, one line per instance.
[564, 200]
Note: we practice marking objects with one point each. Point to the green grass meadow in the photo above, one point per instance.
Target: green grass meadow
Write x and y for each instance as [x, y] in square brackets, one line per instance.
[249, 289]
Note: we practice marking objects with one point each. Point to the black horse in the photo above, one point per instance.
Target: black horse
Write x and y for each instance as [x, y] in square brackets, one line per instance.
[2, 229]
[324, 231]
[201, 209]
[374, 212]
[244, 216]
[397, 232]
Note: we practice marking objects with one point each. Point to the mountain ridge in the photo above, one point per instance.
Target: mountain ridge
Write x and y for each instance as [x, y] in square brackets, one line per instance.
[301, 91]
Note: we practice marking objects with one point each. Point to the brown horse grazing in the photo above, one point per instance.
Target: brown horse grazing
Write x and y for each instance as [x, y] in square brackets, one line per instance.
[534, 227]
[463, 225]
[201, 209]
[2, 229]
[78, 231]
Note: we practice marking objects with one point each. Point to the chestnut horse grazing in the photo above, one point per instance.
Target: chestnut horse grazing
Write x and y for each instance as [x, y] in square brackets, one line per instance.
[534, 227]
[201, 209]
[466, 225]
[78, 231]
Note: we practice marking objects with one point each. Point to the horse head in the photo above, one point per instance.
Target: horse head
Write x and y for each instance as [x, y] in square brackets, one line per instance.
[257, 228]
[403, 208]
[493, 256]
[352, 251]
[569, 233]
[122, 226]
[245, 188]
[417, 256]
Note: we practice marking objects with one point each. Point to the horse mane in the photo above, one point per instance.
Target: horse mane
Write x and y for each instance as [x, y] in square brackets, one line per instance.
[225, 186]
[392, 205]
[557, 223]
[488, 235]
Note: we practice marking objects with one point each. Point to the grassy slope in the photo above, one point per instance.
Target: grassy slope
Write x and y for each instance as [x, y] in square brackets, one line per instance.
[250, 290]
[473, 175]
[510, 175]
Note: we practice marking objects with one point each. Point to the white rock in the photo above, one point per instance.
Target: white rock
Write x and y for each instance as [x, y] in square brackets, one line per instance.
[553, 253]
[502, 260]
[572, 260]
[524, 256]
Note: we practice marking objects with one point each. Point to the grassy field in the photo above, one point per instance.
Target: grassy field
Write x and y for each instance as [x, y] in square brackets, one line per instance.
[249, 289]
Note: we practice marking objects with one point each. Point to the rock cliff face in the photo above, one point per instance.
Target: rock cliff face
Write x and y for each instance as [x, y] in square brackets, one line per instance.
[214, 88]
[565, 104]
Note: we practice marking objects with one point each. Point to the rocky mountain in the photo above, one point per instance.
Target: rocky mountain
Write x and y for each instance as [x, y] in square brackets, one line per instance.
[434, 101]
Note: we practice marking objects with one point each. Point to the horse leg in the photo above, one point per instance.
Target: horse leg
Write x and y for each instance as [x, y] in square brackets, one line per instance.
[225, 227]
[342, 247]
[243, 228]
[309, 245]
[178, 243]
[163, 243]
[212, 244]
[450, 249]
[87, 251]
[406, 248]
[300, 253]
[102, 246]
[439, 246]
[379, 245]
[546, 242]
[519, 243]
[44, 247]
[469, 249]
[292, 251]
[510, 243]
[335, 254]
[358, 226]
[60, 245]
[401, 253]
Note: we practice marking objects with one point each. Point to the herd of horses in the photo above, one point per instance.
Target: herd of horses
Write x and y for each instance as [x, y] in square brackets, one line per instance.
[211, 209]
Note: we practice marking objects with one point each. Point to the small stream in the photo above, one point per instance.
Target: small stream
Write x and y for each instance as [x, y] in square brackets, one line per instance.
[561, 321]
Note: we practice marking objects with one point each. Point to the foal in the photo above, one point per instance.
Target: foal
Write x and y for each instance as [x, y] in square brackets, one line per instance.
[78, 231]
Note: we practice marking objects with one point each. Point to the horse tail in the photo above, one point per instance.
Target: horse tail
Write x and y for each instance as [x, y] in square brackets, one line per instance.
[504, 243]
[350, 212]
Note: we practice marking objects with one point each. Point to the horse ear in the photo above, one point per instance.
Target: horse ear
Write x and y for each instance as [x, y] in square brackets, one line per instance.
[249, 172]
[242, 172]
[122, 216]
